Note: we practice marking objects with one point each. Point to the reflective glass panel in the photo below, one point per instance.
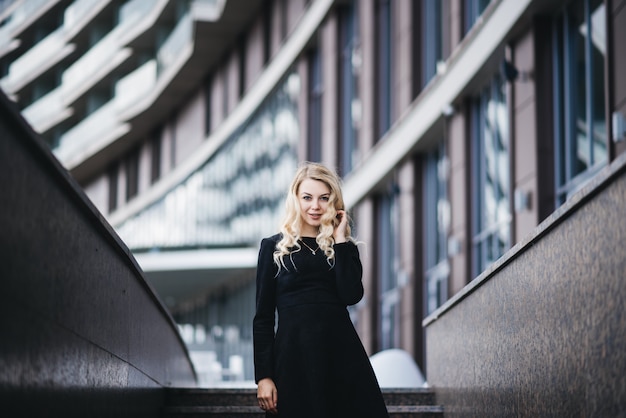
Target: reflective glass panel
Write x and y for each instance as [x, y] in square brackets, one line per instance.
[237, 196]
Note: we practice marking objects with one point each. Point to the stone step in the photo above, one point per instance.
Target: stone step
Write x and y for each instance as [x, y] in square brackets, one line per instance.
[408, 396]
[407, 411]
[210, 397]
[241, 403]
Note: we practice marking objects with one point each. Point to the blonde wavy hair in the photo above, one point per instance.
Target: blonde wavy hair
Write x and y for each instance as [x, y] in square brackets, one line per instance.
[292, 223]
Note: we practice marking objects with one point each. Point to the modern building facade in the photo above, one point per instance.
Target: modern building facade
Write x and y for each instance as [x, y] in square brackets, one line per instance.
[457, 126]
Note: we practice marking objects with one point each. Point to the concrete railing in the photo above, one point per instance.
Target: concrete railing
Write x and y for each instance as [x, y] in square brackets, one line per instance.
[81, 331]
[542, 333]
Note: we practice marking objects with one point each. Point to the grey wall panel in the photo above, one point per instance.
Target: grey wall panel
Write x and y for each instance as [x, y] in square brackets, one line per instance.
[543, 332]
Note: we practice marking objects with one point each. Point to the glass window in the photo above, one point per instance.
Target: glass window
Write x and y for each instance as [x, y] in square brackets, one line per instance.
[95, 100]
[112, 175]
[221, 330]
[173, 141]
[236, 197]
[348, 100]
[580, 128]
[155, 156]
[432, 49]
[315, 106]
[284, 11]
[225, 92]
[383, 67]
[473, 10]
[132, 173]
[267, 32]
[208, 104]
[241, 56]
[436, 227]
[388, 269]
[491, 188]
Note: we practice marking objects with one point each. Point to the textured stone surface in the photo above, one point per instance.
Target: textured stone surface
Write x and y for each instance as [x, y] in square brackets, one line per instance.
[81, 332]
[543, 332]
[223, 403]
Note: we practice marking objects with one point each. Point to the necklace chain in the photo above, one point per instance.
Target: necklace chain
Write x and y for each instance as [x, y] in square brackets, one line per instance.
[313, 251]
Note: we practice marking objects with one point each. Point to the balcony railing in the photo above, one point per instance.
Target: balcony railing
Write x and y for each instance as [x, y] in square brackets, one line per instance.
[237, 195]
[47, 111]
[34, 61]
[22, 12]
[104, 56]
[83, 72]
[101, 127]
[134, 10]
[180, 38]
[131, 91]
[182, 35]
[207, 10]
[91, 133]
[134, 87]
[128, 91]
[77, 11]
[46, 52]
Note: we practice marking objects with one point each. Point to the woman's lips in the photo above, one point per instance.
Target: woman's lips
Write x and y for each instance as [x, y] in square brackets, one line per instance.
[315, 217]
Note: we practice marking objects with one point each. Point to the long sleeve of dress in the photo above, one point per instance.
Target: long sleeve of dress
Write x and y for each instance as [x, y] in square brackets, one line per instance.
[349, 272]
[263, 323]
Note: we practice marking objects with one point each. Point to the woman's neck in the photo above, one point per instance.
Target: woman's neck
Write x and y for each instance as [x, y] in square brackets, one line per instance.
[309, 233]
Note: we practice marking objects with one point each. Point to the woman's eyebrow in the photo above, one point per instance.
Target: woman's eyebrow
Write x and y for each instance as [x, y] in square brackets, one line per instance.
[310, 194]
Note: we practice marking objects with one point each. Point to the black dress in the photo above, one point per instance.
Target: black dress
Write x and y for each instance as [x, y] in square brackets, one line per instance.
[316, 358]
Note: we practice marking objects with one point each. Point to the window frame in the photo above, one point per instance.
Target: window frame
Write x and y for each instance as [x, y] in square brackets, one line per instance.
[431, 29]
[348, 86]
[436, 226]
[472, 10]
[131, 168]
[485, 231]
[568, 178]
[383, 70]
[389, 283]
[314, 114]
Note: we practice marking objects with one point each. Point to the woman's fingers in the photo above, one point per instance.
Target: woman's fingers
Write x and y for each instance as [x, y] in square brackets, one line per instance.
[267, 396]
[274, 402]
[340, 230]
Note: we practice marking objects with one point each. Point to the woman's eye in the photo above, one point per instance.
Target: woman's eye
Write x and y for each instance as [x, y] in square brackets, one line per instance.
[306, 197]
[324, 198]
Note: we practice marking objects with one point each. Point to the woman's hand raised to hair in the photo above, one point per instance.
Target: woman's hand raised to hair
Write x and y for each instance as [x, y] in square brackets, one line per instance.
[339, 234]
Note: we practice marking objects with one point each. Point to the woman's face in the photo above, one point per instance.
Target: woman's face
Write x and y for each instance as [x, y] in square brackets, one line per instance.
[313, 196]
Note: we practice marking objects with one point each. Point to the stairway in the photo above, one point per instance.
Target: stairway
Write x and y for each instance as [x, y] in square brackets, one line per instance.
[241, 403]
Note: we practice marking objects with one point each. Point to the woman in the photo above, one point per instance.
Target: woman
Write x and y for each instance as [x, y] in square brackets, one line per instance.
[314, 365]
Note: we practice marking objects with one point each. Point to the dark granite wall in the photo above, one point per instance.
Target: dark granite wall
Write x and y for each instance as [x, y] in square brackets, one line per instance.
[81, 332]
[543, 332]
